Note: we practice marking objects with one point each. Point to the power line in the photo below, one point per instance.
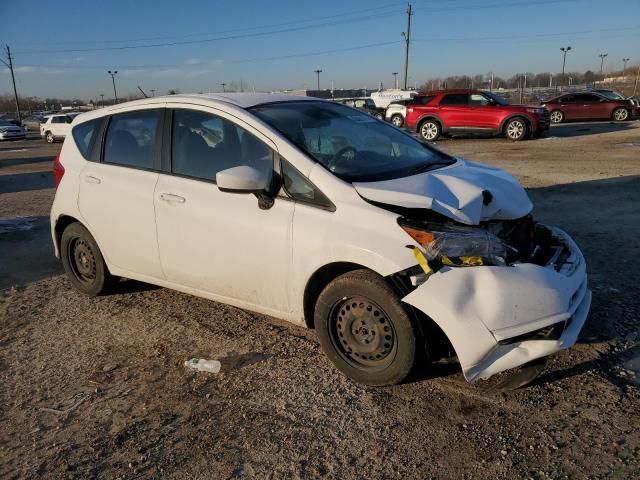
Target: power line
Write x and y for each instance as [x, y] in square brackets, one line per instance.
[209, 40]
[359, 12]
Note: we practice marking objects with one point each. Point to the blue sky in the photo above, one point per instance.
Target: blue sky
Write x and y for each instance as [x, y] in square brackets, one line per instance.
[451, 37]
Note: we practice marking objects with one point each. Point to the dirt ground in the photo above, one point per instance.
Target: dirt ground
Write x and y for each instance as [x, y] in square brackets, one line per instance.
[96, 388]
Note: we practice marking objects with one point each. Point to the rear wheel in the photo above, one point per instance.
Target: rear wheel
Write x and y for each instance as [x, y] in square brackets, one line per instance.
[364, 329]
[49, 137]
[430, 130]
[397, 120]
[516, 129]
[556, 116]
[620, 114]
[83, 262]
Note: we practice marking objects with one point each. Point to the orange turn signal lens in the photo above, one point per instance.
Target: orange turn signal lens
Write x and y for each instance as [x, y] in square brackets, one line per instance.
[420, 236]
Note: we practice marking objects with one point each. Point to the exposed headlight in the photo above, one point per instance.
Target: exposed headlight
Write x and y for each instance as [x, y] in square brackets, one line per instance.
[459, 246]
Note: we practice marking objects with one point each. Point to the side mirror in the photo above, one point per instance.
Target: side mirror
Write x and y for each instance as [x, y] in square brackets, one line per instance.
[242, 179]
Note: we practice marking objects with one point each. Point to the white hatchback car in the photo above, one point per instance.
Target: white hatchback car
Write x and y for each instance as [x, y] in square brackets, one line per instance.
[319, 214]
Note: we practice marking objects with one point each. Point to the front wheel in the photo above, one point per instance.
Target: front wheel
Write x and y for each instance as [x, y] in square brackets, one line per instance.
[83, 262]
[397, 120]
[430, 130]
[516, 129]
[364, 329]
[49, 137]
[620, 114]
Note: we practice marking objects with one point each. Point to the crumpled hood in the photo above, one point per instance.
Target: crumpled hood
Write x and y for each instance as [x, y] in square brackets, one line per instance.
[455, 191]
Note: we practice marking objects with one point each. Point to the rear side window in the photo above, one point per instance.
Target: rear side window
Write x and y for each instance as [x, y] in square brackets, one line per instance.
[423, 100]
[454, 99]
[84, 135]
[131, 139]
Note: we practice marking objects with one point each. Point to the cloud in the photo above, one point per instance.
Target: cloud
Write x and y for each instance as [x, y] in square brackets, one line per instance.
[31, 69]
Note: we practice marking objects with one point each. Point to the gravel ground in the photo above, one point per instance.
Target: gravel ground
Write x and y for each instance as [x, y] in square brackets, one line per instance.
[95, 388]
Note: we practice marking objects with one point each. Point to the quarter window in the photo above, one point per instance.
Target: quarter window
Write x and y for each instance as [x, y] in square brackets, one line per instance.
[454, 99]
[204, 144]
[84, 134]
[131, 139]
[300, 189]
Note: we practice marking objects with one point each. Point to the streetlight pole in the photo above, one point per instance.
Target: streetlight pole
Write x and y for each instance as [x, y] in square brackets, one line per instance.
[564, 51]
[395, 79]
[602, 57]
[102, 99]
[113, 79]
[318, 72]
[624, 68]
[153, 92]
[223, 87]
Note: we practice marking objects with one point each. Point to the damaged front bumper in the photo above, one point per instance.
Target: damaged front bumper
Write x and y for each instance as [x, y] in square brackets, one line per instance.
[498, 318]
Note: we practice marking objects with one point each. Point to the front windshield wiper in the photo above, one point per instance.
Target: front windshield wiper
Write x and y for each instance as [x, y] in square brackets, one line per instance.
[428, 166]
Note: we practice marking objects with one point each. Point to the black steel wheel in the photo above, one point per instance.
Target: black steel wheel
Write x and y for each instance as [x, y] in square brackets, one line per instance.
[83, 262]
[365, 330]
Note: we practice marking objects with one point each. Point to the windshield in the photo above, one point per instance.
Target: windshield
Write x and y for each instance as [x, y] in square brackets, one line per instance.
[353, 145]
[611, 95]
[497, 98]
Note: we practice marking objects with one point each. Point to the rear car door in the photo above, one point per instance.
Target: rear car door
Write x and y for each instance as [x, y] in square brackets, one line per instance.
[453, 110]
[218, 242]
[116, 194]
[569, 107]
[593, 106]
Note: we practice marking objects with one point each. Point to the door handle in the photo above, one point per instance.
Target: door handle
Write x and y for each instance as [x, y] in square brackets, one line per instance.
[91, 179]
[171, 198]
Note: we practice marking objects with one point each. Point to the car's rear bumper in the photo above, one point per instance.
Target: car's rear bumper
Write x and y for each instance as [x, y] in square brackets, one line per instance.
[495, 317]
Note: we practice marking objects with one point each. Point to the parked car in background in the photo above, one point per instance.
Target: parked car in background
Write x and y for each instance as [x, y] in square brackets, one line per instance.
[473, 111]
[12, 120]
[55, 127]
[587, 106]
[308, 211]
[364, 104]
[9, 131]
[396, 111]
[32, 122]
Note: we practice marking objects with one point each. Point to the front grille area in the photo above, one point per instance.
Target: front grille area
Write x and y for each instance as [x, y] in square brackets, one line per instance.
[530, 242]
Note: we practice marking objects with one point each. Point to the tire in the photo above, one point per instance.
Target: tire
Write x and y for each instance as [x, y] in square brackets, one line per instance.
[365, 330]
[397, 120]
[516, 129]
[556, 116]
[430, 130]
[82, 261]
[620, 114]
[49, 137]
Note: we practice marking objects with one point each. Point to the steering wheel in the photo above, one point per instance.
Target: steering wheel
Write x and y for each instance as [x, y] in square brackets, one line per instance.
[347, 153]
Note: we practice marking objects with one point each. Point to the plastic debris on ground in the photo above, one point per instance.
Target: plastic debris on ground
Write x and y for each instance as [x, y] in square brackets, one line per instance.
[203, 365]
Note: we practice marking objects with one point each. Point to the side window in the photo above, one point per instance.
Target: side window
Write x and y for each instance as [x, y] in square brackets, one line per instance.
[57, 120]
[301, 189]
[454, 99]
[567, 99]
[586, 98]
[131, 139]
[84, 134]
[478, 99]
[203, 144]
[423, 100]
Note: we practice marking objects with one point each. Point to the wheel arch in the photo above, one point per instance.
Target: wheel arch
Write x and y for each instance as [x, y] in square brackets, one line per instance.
[62, 222]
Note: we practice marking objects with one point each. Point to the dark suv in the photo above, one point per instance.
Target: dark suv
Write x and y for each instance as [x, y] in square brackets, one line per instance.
[473, 111]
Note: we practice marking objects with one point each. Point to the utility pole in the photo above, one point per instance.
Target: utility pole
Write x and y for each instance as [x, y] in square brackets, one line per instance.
[142, 91]
[318, 72]
[407, 39]
[13, 79]
[102, 99]
[395, 79]
[113, 79]
[564, 51]
[602, 57]
[491, 84]
[624, 68]
[635, 84]
[223, 85]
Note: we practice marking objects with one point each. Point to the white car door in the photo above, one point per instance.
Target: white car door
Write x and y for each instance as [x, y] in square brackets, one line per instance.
[116, 194]
[221, 243]
[60, 125]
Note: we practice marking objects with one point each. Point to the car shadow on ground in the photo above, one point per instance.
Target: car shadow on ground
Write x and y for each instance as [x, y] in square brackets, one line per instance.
[565, 130]
[22, 182]
[23, 161]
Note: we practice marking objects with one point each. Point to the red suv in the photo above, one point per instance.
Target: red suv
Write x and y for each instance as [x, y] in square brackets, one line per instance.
[473, 111]
[588, 106]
